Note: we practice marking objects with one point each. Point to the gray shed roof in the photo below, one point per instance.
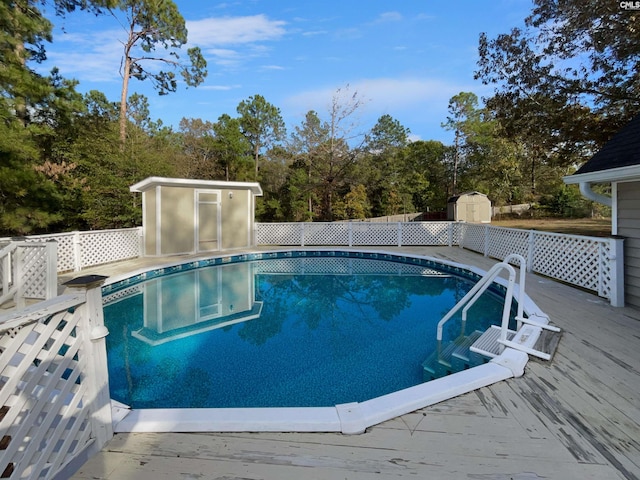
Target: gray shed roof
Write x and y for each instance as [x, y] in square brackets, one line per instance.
[152, 182]
[457, 197]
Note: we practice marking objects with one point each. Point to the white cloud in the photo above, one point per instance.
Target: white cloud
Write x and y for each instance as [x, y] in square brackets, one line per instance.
[272, 67]
[220, 88]
[93, 57]
[384, 94]
[214, 32]
[389, 17]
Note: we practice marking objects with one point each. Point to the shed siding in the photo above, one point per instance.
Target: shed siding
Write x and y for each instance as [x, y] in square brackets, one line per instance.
[629, 227]
[469, 207]
[150, 222]
[176, 230]
[236, 219]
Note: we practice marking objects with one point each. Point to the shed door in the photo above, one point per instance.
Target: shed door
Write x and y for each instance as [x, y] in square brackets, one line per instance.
[207, 220]
[472, 213]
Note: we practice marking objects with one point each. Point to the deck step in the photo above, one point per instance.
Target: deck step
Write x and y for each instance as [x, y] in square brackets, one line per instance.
[488, 345]
[461, 351]
[455, 356]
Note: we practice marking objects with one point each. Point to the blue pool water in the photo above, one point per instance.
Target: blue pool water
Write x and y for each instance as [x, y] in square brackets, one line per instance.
[317, 330]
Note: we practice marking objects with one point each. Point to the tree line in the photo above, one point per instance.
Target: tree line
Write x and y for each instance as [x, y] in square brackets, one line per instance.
[563, 85]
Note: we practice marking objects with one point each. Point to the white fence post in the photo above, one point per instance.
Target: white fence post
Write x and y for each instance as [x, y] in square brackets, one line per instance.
[530, 250]
[52, 269]
[77, 252]
[616, 264]
[19, 259]
[97, 374]
[141, 249]
[486, 240]
[399, 234]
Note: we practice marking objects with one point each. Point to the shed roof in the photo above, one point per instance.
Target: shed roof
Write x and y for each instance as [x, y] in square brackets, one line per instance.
[456, 197]
[618, 159]
[151, 182]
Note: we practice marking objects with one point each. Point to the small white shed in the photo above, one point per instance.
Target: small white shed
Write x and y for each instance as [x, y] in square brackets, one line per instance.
[190, 216]
[472, 207]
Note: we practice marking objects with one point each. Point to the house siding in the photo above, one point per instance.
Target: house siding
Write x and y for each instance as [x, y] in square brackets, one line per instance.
[628, 206]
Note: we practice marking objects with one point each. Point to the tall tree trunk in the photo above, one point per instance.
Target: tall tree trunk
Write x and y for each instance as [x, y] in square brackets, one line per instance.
[123, 99]
[256, 156]
[20, 104]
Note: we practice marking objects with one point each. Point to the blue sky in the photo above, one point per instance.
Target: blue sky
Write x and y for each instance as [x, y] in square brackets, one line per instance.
[405, 58]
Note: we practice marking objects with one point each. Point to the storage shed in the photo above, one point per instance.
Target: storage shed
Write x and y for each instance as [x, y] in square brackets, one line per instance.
[192, 216]
[473, 207]
[618, 163]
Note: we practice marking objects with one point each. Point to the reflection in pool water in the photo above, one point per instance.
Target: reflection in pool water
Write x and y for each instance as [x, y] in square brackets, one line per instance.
[282, 332]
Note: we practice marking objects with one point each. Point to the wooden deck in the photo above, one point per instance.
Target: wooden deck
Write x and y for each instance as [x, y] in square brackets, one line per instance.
[576, 417]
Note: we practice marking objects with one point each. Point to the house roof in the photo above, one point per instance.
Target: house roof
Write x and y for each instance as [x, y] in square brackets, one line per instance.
[151, 182]
[617, 160]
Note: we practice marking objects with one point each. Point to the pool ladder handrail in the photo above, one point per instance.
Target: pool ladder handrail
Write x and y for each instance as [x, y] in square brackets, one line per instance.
[479, 288]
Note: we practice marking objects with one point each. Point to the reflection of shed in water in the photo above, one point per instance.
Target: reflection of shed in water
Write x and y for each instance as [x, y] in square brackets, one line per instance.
[192, 302]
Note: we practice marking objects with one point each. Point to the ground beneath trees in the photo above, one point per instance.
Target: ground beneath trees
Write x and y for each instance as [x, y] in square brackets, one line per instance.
[594, 227]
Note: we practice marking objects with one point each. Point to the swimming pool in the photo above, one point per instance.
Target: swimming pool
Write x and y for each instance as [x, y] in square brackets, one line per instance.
[374, 307]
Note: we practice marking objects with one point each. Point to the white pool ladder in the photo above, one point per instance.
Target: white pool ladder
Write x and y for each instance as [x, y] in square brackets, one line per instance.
[493, 341]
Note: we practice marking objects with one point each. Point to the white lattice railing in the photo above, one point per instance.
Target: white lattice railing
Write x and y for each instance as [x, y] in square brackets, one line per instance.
[589, 262]
[54, 395]
[358, 233]
[78, 250]
[28, 272]
[592, 263]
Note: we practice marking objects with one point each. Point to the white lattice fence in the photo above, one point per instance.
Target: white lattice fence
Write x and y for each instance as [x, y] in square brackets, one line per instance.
[78, 250]
[375, 233]
[588, 262]
[28, 271]
[341, 265]
[425, 233]
[505, 241]
[326, 234]
[609, 277]
[49, 395]
[105, 246]
[358, 233]
[66, 248]
[33, 271]
[474, 237]
[279, 233]
[573, 259]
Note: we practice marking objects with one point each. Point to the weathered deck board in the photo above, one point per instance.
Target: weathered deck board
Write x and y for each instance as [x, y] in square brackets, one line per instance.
[576, 417]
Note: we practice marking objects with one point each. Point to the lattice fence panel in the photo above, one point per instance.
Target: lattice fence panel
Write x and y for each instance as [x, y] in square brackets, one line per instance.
[341, 265]
[365, 233]
[33, 261]
[457, 232]
[606, 276]
[504, 241]
[66, 255]
[106, 246]
[473, 237]
[279, 233]
[326, 233]
[44, 413]
[573, 259]
[431, 234]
